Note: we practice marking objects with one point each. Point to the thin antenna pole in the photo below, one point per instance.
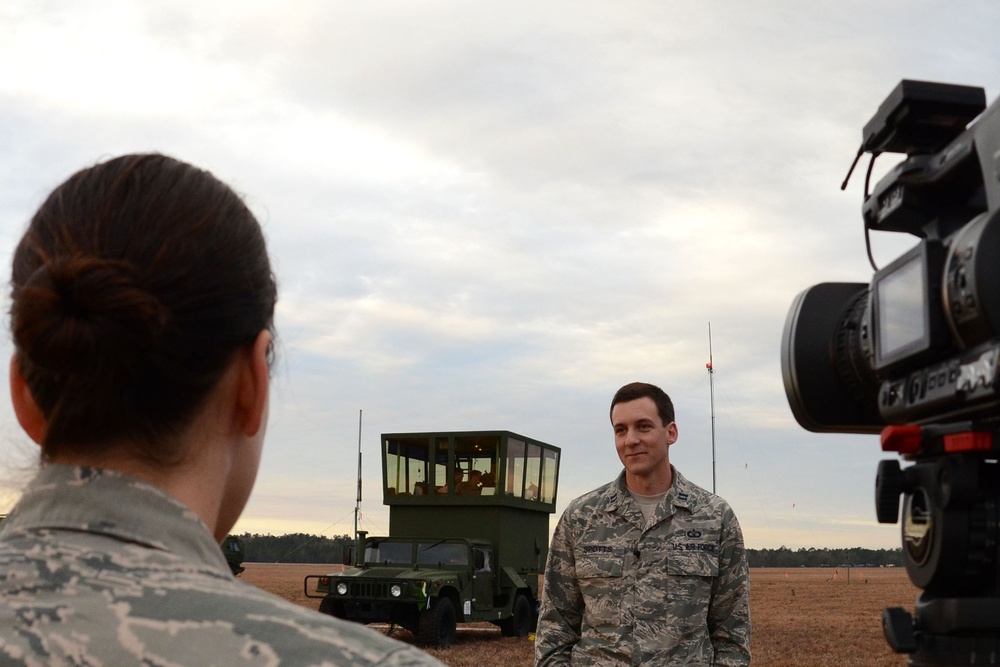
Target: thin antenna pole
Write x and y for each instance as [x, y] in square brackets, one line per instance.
[357, 504]
[711, 389]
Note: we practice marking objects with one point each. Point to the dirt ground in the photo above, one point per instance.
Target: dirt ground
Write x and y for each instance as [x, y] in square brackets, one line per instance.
[801, 616]
[807, 616]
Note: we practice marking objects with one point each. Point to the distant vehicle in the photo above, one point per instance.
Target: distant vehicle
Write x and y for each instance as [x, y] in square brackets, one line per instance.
[468, 536]
[232, 549]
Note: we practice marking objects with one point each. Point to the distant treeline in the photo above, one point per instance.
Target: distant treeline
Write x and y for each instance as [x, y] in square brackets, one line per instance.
[302, 548]
[293, 548]
[857, 557]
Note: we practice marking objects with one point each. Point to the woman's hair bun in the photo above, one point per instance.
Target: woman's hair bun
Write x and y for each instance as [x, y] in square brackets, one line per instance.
[135, 283]
[86, 317]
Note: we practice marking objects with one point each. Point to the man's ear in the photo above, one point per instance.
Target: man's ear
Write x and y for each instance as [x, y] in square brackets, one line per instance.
[671, 433]
[29, 415]
[255, 379]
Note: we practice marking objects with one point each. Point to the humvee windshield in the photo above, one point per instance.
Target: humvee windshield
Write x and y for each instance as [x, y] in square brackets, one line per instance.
[433, 553]
[436, 552]
[389, 552]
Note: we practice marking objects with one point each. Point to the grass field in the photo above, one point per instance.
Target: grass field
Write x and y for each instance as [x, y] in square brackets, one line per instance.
[801, 616]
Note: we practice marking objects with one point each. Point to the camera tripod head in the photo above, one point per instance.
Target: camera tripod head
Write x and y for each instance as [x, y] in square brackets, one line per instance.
[950, 522]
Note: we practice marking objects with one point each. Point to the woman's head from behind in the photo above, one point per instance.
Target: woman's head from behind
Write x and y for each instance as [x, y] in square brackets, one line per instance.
[136, 282]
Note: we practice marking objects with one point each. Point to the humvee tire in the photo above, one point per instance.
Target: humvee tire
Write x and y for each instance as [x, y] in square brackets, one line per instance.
[519, 623]
[437, 624]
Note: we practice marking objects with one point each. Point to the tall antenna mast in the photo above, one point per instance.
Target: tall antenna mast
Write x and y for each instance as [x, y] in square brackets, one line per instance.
[711, 389]
[357, 504]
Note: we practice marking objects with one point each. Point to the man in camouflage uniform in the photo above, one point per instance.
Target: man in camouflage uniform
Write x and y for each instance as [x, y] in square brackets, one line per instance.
[649, 569]
[99, 568]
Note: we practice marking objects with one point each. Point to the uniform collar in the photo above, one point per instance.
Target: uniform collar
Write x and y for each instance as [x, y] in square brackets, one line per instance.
[106, 502]
[680, 494]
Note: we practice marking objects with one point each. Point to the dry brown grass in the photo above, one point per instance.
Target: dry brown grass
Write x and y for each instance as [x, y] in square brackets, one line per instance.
[807, 616]
[801, 616]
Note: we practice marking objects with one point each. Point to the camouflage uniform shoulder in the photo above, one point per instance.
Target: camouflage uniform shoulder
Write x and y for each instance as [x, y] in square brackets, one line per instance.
[299, 636]
[604, 497]
[99, 568]
[696, 499]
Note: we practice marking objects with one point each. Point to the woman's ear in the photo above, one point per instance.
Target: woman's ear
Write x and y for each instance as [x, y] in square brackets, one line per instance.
[29, 415]
[254, 385]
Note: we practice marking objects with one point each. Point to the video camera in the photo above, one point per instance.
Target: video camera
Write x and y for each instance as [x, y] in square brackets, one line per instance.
[915, 355]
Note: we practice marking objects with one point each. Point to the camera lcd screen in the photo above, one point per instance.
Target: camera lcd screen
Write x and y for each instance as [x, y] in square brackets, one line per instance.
[900, 305]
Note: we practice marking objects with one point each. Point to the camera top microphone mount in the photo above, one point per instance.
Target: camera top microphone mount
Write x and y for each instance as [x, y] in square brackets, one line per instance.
[917, 118]
[920, 117]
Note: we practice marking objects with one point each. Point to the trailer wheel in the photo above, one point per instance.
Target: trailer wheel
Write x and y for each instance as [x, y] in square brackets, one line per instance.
[437, 624]
[519, 623]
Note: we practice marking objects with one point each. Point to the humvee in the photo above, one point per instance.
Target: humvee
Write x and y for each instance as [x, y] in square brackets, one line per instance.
[232, 549]
[468, 536]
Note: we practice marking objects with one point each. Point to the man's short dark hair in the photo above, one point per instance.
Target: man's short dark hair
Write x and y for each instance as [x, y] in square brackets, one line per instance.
[637, 390]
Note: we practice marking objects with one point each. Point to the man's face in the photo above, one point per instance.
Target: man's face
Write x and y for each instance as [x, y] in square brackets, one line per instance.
[641, 438]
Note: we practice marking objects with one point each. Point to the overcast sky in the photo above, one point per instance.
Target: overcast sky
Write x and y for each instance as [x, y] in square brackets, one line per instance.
[491, 215]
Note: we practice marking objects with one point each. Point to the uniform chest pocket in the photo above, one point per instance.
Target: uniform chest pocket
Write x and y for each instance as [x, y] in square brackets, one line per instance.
[693, 564]
[600, 580]
[689, 580]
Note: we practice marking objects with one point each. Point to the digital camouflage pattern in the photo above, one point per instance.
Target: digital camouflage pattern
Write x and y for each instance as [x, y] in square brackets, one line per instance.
[101, 569]
[618, 591]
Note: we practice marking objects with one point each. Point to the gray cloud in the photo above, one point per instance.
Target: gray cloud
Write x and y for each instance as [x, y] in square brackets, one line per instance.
[490, 215]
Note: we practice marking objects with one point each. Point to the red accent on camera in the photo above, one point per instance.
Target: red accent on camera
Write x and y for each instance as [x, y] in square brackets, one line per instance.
[969, 441]
[905, 438]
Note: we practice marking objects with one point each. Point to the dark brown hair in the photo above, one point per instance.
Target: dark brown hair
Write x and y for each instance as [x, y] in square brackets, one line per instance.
[134, 285]
[637, 390]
